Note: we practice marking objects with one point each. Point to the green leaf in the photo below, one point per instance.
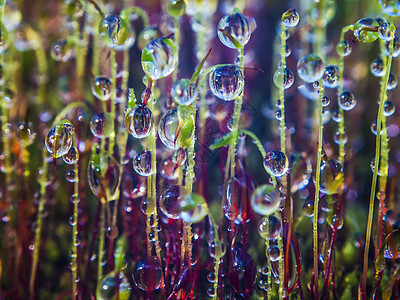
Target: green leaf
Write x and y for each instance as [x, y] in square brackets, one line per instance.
[232, 39]
[222, 141]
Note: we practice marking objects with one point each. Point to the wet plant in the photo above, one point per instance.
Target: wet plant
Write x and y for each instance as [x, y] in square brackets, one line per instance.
[198, 149]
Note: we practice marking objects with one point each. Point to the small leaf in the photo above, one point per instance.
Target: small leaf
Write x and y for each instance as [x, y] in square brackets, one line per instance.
[380, 260]
[198, 68]
[232, 39]
[222, 141]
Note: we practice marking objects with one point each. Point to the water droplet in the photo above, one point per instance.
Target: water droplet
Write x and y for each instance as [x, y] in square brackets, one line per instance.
[278, 115]
[25, 133]
[176, 128]
[101, 88]
[226, 82]
[396, 47]
[113, 31]
[377, 67]
[388, 108]
[107, 285]
[308, 209]
[273, 253]
[61, 51]
[336, 116]
[176, 8]
[347, 101]
[392, 249]
[325, 101]
[310, 68]
[276, 163]
[343, 48]
[193, 260]
[283, 78]
[242, 271]
[337, 222]
[211, 292]
[211, 277]
[70, 176]
[386, 31]
[159, 58]
[265, 200]
[390, 7]
[142, 163]
[366, 30]
[331, 75]
[290, 18]
[330, 172]
[288, 51]
[179, 157]
[61, 146]
[171, 199]
[237, 26]
[103, 175]
[392, 82]
[337, 138]
[184, 92]
[147, 274]
[139, 121]
[269, 227]
[71, 157]
[102, 125]
[193, 208]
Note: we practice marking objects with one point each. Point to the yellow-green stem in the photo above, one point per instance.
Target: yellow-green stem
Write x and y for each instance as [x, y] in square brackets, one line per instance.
[316, 199]
[376, 165]
[101, 240]
[75, 240]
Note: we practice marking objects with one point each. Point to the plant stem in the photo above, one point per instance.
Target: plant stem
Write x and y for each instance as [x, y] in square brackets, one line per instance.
[100, 255]
[75, 240]
[316, 199]
[376, 168]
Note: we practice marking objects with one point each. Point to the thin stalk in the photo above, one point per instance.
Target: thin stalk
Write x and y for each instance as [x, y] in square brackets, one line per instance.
[283, 149]
[100, 255]
[376, 168]
[177, 37]
[316, 199]
[39, 222]
[341, 158]
[151, 210]
[112, 104]
[75, 240]
[43, 184]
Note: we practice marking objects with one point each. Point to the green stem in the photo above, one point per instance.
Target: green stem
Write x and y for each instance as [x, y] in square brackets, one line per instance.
[316, 199]
[283, 149]
[177, 37]
[103, 203]
[376, 168]
[75, 240]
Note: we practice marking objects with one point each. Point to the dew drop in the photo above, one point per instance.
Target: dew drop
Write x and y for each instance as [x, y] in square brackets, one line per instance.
[347, 101]
[276, 163]
[184, 92]
[139, 121]
[265, 200]
[331, 75]
[226, 82]
[343, 48]
[70, 176]
[101, 88]
[290, 18]
[102, 125]
[142, 163]
[113, 31]
[159, 58]
[310, 68]
[147, 274]
[237, 26]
